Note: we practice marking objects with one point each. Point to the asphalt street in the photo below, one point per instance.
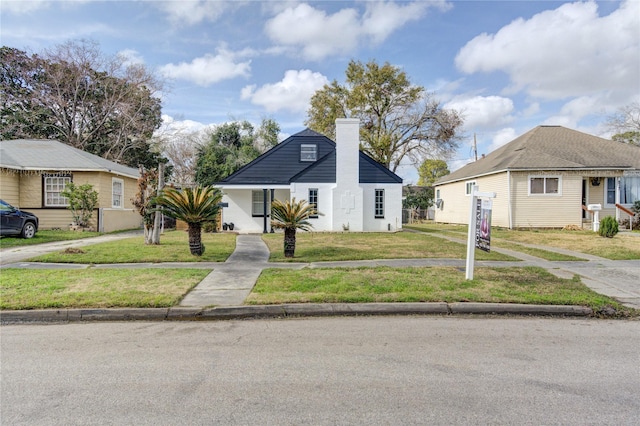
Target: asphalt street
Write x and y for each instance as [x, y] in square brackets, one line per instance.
[323, 371]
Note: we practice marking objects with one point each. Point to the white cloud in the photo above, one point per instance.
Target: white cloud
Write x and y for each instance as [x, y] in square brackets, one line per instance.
[482, 112]
[319, 34]
[171, 126]
[192, 11]
[532, 109]
[571, 112]
[502, 137]
[209, 69]
[381, 19]
[569, 51]
[292, 93]
[131, 57]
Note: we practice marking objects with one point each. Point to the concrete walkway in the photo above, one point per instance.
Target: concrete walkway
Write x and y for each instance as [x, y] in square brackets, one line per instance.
[230, 282]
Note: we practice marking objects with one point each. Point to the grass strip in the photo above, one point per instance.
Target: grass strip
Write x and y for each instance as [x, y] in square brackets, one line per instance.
[534, 251]
[96, 288]
[318, 247]
[528, 285]
[42, 237]
[624, 246]
[173, 247]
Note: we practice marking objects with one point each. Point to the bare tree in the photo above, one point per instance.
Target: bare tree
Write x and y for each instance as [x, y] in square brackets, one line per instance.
[97, 103]
[626, 124]
[181, 148]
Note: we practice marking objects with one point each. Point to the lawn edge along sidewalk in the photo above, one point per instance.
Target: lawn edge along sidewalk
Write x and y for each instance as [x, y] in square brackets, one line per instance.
[288, 310]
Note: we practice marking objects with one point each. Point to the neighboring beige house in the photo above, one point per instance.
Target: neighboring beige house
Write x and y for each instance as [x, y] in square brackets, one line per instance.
[34, 172]
[544, 178]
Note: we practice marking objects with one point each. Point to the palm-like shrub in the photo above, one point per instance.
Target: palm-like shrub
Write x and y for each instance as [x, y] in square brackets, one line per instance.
[291, 216]
[193, 206]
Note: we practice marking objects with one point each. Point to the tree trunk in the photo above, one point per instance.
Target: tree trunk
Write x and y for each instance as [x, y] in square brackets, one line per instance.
[289, 242]
[155, 231]
[195, 239]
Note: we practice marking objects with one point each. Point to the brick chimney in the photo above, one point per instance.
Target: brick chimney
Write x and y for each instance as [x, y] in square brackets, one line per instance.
[347, 194]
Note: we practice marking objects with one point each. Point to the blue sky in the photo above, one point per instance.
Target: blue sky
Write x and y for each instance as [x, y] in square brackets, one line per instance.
[508, 66]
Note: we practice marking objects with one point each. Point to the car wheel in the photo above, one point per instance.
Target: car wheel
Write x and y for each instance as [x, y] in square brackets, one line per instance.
[28, 230]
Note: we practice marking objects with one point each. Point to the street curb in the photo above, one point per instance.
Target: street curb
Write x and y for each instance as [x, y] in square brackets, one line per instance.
[287, 310]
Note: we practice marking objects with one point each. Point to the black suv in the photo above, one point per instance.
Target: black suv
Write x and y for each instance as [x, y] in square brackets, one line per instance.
[17, 222]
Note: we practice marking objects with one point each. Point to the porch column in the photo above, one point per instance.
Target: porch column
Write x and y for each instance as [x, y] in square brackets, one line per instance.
[264, 210]
[273, 192]
[617, 200]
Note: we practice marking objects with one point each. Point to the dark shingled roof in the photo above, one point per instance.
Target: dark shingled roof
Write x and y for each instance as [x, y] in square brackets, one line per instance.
[281, 165]
[552, 148]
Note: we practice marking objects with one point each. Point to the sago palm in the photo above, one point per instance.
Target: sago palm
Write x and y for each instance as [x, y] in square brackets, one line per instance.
[291, 216]
[193, 206]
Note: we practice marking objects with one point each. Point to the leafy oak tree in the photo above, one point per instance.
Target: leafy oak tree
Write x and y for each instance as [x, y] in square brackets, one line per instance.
[231, 146]
[398, 119]
[77, 95]
[431, 170]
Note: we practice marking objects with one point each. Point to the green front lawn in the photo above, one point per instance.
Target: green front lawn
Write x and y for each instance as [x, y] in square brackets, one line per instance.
[621, 247]
[325, 246]
[96, 288]
[529, 285]
[174, 247]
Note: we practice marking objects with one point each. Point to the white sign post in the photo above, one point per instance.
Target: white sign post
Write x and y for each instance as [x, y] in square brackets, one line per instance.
[474, 211]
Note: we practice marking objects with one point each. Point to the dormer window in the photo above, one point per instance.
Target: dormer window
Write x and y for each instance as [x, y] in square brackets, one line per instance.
[308, 152]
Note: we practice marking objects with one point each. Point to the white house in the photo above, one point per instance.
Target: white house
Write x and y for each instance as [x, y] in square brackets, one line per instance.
[351, 191]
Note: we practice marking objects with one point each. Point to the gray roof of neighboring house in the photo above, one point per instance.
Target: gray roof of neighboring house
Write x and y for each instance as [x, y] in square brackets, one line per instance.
[552, 148]
[281, 165]
[39, 154]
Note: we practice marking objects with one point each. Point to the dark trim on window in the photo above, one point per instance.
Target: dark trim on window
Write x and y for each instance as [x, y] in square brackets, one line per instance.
[313, 201]
[262, 202]
[378, 204]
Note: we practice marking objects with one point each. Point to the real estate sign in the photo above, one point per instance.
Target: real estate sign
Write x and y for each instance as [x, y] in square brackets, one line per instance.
[483, 224]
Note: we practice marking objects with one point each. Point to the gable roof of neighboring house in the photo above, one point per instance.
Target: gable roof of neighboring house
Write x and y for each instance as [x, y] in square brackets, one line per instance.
[281, 165]
[51, 155]
[552, 148]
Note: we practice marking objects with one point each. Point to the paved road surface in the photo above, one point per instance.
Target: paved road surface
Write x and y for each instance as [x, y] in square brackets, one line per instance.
[326, 371]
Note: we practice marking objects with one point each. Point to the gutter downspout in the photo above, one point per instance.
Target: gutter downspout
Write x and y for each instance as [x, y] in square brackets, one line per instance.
[509, 199]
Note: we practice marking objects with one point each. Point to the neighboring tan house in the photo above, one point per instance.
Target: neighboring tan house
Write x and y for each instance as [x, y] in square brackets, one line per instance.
[34, 172]
[546, 178]
[350, 190]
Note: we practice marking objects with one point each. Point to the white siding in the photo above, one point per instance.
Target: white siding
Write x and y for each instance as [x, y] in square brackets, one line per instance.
[392, 208]
[300, 191]
[239, 210]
